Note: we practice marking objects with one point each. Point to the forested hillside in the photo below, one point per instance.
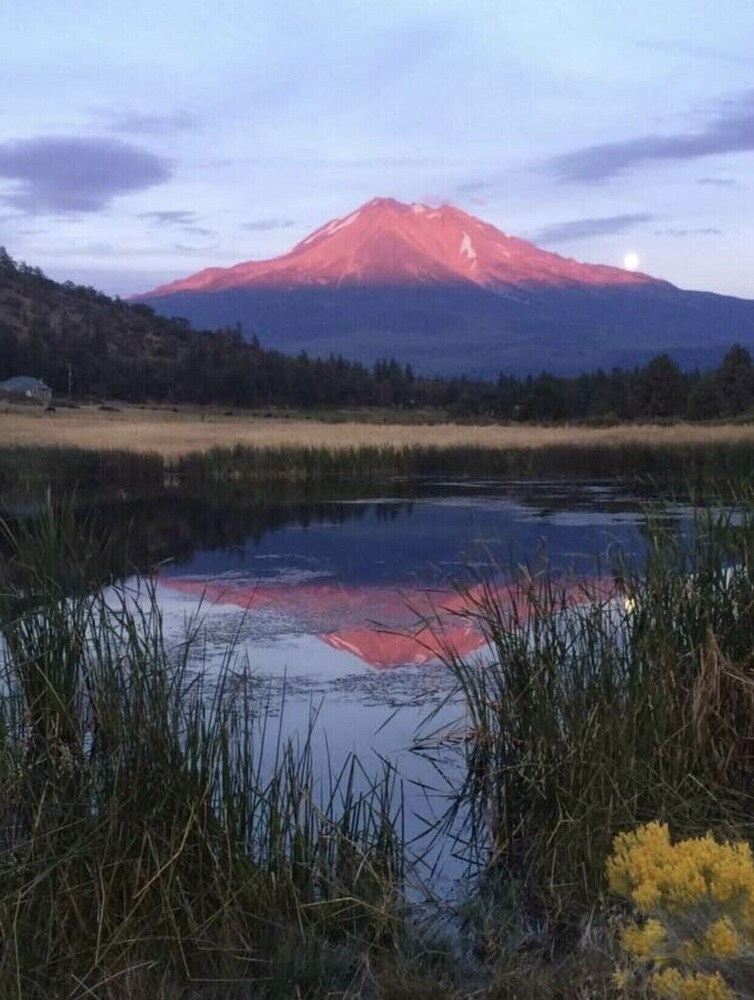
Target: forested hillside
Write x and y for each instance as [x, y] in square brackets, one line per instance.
[113, 348]
[83, 342]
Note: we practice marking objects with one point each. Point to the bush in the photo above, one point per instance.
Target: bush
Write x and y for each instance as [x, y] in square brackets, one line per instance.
[696, 901]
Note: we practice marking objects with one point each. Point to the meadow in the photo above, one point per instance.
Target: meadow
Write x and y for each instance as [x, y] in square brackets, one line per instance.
[178, 432]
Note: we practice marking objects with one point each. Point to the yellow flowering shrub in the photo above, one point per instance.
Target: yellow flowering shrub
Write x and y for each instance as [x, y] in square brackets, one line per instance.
[696, 898]
[646, 941]
[671, 984]
[722, 940]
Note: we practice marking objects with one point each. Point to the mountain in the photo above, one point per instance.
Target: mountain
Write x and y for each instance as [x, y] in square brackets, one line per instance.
[448, 293]
[386, 243]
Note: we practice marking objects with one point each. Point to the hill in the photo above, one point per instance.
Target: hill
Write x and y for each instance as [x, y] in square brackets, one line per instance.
[449, 293]
[83, 342]
[108, 346]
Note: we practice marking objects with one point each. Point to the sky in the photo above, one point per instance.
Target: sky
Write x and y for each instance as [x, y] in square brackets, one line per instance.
[143, 141]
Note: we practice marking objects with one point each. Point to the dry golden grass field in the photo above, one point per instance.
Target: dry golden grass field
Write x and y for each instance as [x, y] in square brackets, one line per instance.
[173, 433]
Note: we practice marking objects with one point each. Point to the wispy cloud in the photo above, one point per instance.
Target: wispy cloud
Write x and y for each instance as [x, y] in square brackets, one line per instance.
[102, 249]
[189, 248]
[698, 231]
[126, 119]
[696, 51]
[64, 175]
[580, 229]
[731, 132]
[171, 217]
[473, 187]
[183, 219]
[381, 163]
[717, 181]
[266, 225]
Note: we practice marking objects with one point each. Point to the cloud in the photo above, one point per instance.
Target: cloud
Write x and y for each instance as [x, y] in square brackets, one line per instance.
[699, 231]
[696, 51]
[189, 248]
[103, 249]
[184, 219]
[717, 181]
[265, 225]
[472, 187]
[381, 163]
[56, 174]
[580, 229]
[730, 132]
[125, 119]
[172, 217]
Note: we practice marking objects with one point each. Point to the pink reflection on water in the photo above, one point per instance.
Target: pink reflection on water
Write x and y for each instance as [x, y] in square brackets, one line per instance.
[387, 627]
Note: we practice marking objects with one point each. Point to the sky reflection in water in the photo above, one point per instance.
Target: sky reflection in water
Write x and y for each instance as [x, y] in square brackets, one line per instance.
[385, 586]
[315, 608]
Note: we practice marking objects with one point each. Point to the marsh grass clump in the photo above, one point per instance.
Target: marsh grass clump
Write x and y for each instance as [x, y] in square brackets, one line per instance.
[150, 836]
[63, 470]
[590, 719]
[669, 462]
[296, 471]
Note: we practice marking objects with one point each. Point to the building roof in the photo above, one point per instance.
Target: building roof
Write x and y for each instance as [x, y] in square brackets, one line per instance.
[24, 384]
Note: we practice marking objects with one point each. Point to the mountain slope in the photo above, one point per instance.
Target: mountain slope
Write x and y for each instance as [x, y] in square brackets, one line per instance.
[448, 293]
[389, 243]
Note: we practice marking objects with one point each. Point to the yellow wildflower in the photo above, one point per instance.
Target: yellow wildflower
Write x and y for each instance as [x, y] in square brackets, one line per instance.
[700, 894]
[646, 895]
[644, 942]
[670, 984]
[620, 979]
[667, 984]
[658, 875]
[722, 940]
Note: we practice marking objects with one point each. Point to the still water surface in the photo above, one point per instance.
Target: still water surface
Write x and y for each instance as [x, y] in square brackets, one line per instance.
[329, 604]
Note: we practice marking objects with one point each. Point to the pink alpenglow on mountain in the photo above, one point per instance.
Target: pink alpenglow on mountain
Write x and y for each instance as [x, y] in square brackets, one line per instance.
[449, 294]
[386, 242]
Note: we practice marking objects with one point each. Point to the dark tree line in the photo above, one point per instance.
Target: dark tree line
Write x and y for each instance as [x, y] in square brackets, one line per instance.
[71, 335]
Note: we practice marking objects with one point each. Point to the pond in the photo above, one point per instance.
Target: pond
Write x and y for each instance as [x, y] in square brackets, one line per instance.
[342, 608]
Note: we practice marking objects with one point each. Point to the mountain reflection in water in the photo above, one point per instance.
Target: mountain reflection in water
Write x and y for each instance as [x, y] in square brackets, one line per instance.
[397, 583]
[388, 628]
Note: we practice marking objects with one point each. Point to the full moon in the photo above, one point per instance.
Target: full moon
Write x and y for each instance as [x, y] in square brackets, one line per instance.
[631, 261]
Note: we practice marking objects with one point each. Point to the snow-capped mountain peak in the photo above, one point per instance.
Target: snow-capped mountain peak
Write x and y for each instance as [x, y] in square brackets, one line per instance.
[389, 243]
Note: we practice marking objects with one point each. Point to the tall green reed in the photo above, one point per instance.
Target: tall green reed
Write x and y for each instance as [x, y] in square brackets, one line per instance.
[151, 828]
[298, 473]
[591, 717]
[681, 463]
[64, 469]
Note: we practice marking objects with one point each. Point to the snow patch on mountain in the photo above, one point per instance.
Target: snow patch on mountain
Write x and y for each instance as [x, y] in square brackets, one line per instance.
[467, 247]
[335, 227]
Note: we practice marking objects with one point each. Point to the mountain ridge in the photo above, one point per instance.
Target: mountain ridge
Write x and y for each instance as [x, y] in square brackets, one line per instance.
[447, 293]
[387, 242]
